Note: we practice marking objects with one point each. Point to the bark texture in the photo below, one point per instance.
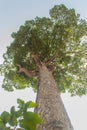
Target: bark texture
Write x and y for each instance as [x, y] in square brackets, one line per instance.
[49, 104]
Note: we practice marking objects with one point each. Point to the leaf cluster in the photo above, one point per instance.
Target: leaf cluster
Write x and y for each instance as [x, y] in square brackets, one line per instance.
[21, 119]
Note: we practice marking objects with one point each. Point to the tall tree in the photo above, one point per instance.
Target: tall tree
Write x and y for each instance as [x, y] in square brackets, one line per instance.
[50, 55]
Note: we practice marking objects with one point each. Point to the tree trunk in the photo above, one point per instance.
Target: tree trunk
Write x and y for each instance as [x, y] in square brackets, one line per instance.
[49, 104]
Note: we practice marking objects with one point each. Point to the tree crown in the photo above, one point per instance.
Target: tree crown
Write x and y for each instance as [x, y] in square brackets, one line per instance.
[59, 41]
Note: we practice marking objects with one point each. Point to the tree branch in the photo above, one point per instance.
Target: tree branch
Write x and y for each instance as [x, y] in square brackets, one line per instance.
[26, 72]
[50, 60]
[37, 60]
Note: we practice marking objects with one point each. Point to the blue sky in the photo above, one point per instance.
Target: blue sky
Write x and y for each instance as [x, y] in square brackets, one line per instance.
[13, 13]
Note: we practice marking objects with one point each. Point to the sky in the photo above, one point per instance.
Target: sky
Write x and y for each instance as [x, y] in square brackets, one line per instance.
[13, 14]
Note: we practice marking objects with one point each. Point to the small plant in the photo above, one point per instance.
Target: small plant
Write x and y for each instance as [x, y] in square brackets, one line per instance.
[20, 119]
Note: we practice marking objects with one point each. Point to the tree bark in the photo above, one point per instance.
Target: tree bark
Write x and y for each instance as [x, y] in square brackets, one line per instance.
[49, 104]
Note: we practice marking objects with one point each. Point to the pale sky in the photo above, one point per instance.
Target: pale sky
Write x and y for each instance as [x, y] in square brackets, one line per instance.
[14, 13]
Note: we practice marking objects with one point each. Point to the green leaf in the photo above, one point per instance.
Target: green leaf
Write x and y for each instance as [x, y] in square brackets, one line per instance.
[2, 126]
[12, 110]
[30, 104]
[19, 113]
[30, 121]
[13, 120]
[20, 102]
[5, 116]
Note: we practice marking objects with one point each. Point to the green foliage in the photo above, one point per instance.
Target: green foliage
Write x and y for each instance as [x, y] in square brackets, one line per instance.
[59, 39]
[30, 121]
[20, 119]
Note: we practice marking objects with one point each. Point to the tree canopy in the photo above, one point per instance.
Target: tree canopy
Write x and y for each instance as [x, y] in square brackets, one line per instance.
[60, 42]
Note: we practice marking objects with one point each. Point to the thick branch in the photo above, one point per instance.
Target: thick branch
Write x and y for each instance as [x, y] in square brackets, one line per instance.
[37, 60]
[26, 72]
